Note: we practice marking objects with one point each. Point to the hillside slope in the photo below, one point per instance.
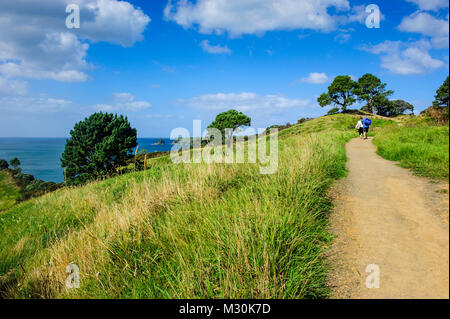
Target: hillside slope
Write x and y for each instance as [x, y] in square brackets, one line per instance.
[9, 192]
[186, 230]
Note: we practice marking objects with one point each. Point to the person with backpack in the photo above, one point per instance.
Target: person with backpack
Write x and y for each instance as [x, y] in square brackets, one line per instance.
[366, 125]
[359, 126]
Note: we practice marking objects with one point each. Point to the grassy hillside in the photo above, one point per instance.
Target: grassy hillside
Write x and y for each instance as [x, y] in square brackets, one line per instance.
[186, 230]
[9, 192]
[183, 230]
[418, 144]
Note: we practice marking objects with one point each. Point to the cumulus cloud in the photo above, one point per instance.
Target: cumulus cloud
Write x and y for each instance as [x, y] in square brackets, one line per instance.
[244, 102]
[239, 17]
[35, 43]
[405, 58]
[214, 49]
[123, 102]
[430, 4]
[427, 25]
[113, 21]
[316, 78]
[58, 56]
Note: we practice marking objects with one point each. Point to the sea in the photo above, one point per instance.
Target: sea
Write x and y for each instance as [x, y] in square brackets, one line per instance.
[40, 157]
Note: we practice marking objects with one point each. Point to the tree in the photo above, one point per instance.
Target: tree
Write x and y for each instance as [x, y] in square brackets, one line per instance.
[340, 93]
[394, 108]
[15, 162]
[441, 96]
[97, 147]
[400, 107]
[3, 164]
[371, 90]
[231, 119]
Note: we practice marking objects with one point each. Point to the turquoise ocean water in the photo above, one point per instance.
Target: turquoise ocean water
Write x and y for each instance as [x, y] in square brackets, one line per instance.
[41, 156]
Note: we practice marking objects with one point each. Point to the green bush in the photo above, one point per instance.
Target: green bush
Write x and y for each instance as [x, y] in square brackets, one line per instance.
[3, 164]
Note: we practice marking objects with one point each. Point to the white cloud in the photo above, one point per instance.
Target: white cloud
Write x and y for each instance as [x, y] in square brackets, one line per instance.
[33, 105]
[115, 21]
[123, 102]
[59, 56]
[430, 4]
[343, 37]
[244, 102]
[124, 97]
[35, 43]
[358, 14]
[316, 78]
[239, 17]
[405, 58]
[214, 49]
[11, 87]
[427, 25]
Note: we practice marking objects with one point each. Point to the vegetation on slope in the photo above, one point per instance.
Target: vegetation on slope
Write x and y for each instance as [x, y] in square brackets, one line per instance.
[184, 231]
[418, 144]
[187, 230]
[9, 192]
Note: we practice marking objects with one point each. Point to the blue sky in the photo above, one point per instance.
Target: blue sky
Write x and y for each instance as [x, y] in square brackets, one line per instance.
[164, 64]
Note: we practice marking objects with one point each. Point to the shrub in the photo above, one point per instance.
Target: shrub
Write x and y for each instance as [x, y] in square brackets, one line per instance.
[23, 179]
[438, 113]
[3, 164]
[303, 120]
[15, 163]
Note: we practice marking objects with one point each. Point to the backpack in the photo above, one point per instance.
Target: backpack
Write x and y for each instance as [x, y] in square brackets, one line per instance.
[367, 122]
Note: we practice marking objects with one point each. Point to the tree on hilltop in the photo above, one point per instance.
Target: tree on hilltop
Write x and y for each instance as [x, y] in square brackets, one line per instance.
[441, 97]
[373, 91]
[231, 119]
[97, 147]
[394, 108]
[340, 93]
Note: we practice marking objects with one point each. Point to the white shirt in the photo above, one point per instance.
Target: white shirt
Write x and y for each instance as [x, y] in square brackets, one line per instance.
[359, 125]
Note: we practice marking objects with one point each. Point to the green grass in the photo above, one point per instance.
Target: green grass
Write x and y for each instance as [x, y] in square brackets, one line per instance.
[339, 122]
[417, 145]
[187, 230]
[9, 193]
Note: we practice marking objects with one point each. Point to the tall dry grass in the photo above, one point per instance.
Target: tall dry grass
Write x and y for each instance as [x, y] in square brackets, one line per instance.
[182, 231]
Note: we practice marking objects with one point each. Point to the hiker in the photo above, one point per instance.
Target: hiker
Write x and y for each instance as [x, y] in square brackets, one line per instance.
[366, 124]
[359, 126]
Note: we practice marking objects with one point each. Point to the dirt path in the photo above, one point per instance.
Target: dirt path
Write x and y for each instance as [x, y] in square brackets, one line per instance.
[388, 217]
